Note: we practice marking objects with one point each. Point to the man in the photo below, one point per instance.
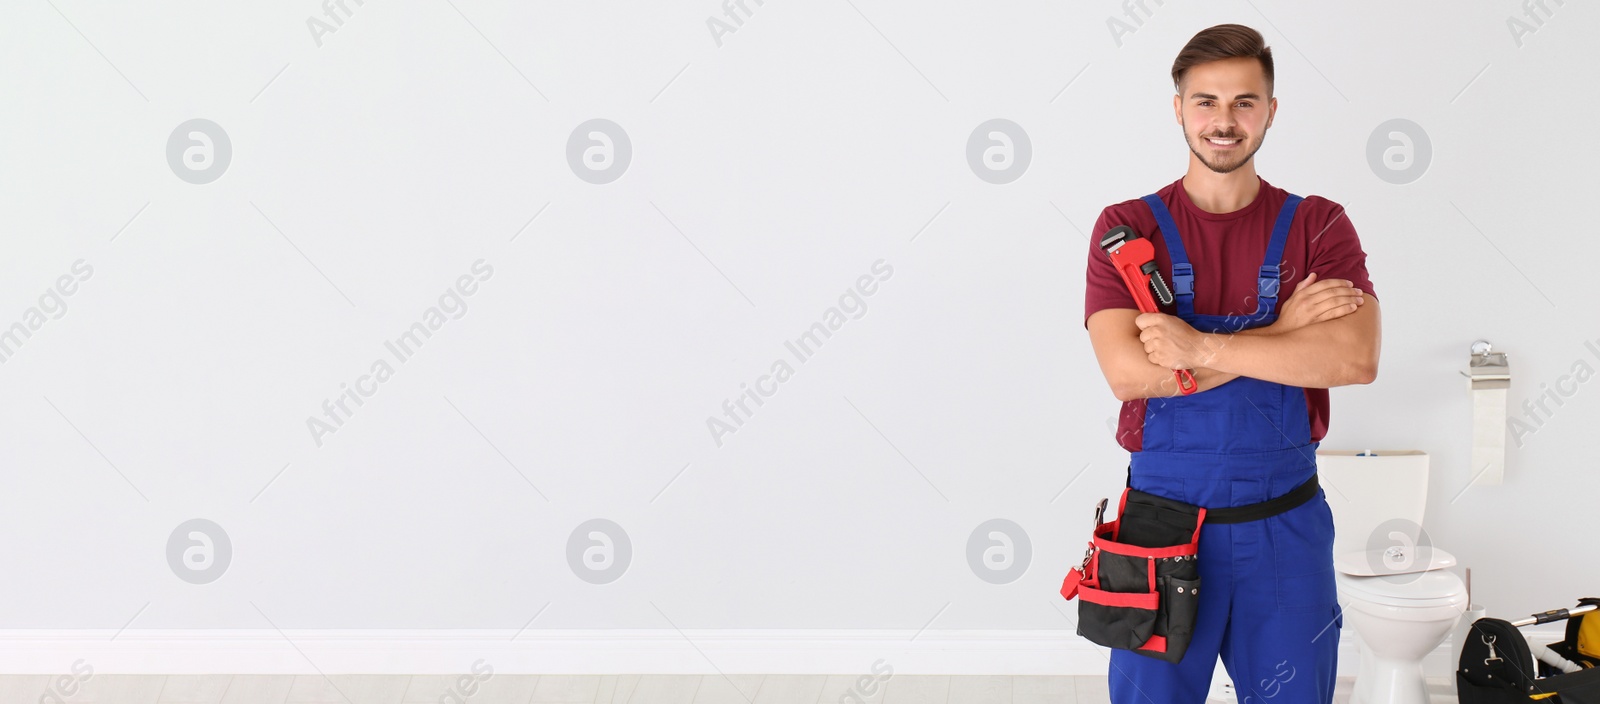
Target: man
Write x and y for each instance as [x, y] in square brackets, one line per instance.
[1248, 433]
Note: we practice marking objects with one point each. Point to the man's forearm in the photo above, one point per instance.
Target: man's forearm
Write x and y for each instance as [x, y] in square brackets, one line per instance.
[1324, 355]
[1162, 382]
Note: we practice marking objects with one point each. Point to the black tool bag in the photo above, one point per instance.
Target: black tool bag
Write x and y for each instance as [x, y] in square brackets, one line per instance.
[1139, 585]
[1497, 667]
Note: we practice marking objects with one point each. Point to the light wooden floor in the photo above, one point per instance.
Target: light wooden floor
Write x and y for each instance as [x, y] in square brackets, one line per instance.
[571, 689]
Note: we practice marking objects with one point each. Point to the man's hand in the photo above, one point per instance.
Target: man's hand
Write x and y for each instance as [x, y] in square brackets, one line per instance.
[1327, 299]
[1171, 342]
[1126, 365]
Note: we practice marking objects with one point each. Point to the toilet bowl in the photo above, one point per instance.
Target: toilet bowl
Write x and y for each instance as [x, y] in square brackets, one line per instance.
[1399, 619]
[1397, 592]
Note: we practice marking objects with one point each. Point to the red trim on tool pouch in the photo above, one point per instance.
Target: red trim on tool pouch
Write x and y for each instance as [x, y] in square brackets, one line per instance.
[1134, 600]
[1122, 505]
[1112, 546]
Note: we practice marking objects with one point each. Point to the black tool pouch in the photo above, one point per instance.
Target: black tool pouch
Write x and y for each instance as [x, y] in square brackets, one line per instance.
[1139, 584]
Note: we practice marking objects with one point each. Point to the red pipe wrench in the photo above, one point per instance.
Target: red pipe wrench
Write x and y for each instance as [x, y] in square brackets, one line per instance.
[1135, 259]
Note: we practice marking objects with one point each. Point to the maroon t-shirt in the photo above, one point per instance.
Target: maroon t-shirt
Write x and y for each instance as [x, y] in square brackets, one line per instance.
[1226, 251]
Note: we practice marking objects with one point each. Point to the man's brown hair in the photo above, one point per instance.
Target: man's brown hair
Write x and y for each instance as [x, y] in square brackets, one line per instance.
[1224, 41]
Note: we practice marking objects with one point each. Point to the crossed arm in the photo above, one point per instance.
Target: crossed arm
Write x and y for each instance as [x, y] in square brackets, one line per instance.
[1138, 360]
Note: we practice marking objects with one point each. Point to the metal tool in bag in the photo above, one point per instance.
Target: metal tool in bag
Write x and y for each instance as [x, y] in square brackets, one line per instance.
[1135, 260]
[1498, 665]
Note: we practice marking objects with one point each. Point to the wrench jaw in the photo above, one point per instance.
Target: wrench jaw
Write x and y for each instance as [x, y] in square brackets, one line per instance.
[1116, 237]
[1157, 284]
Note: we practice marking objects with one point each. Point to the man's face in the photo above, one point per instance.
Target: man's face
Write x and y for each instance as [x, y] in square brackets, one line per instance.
[1227, 101]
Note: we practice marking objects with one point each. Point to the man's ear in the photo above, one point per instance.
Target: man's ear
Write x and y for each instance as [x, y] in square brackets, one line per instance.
[1272, 111]
[1177, 108]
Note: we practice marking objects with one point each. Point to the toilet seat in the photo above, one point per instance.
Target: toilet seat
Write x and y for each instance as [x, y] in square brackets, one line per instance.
[1394, 560]
[1436, 587]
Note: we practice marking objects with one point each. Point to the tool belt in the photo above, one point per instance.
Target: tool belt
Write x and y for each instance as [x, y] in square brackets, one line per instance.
[1139, 584]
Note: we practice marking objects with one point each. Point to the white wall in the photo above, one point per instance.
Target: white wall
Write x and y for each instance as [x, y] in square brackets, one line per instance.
[767, 176]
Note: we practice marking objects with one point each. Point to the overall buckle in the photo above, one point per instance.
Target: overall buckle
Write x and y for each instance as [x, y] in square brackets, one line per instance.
[1267, 284]
[1182, 279]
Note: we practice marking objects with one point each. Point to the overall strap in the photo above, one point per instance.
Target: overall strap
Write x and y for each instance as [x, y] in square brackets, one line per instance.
[1182, 272]
[1267, 282]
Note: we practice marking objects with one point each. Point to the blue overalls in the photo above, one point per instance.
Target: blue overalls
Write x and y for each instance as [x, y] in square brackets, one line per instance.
[1268, 601]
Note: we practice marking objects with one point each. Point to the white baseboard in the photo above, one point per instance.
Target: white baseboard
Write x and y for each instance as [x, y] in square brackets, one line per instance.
[309, 651]
[314, 651]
